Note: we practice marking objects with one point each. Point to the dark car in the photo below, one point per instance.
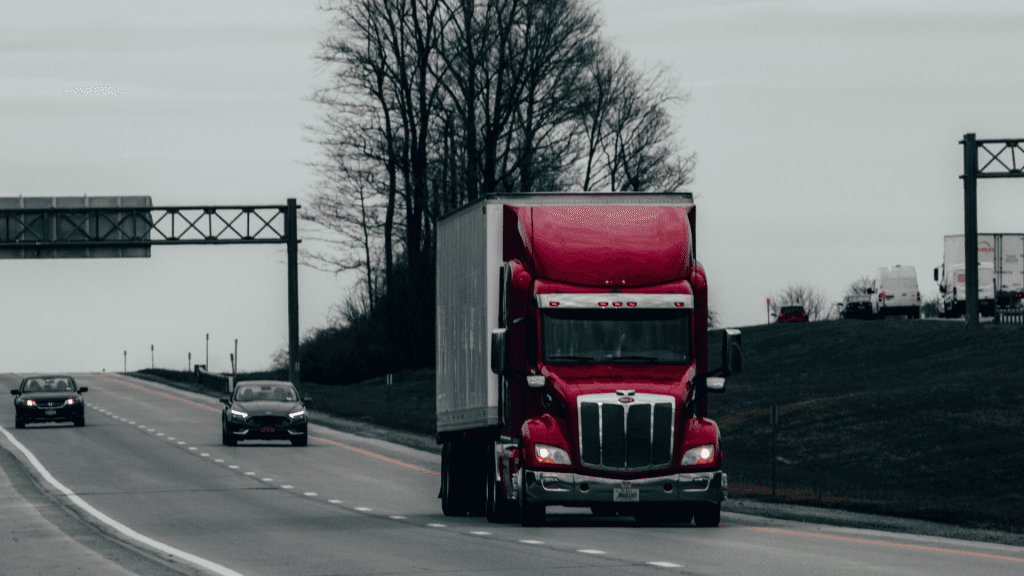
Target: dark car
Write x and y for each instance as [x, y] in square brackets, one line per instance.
[792, 314]
[51, 398]
[264, 410]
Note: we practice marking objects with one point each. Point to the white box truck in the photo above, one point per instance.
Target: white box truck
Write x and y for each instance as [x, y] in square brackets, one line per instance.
[1004, 256]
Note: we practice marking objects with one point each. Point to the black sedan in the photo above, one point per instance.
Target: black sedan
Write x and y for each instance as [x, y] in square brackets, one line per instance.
[264, 410]
[48, 399]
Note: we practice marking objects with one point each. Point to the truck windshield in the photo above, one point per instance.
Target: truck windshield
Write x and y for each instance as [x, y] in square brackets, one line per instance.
[616, 336]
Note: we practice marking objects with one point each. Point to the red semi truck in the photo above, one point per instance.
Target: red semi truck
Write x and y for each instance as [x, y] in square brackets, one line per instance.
[572, 359]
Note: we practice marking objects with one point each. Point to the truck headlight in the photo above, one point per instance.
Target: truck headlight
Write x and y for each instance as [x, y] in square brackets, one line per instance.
[699, 455]
[550, 455]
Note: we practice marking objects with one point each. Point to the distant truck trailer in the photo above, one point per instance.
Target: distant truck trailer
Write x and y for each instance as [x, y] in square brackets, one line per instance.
[1004, 253]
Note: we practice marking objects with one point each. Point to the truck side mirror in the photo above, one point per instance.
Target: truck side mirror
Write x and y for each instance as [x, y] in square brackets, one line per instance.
[499, 351]
[732, 354]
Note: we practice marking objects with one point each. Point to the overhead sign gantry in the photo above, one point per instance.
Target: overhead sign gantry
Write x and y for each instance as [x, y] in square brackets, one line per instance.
[128, 226]
[1004, 159]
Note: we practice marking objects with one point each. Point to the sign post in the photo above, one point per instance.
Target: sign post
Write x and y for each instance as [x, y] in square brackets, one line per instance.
[774, 419]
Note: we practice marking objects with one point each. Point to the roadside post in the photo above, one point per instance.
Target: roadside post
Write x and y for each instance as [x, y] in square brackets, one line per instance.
[388, 384]
[152, 357]
[774, 419]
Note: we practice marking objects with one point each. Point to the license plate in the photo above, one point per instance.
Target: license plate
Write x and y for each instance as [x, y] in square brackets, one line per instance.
[267, 429]
[626, 495]
[51, 412]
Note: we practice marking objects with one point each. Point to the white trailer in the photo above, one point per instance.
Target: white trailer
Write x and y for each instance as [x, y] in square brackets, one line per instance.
[1003, 253]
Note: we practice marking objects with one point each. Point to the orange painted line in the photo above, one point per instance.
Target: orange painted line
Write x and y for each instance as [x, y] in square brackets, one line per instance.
[884, 543]
[339, 444]
[160, 393]
[377, 456]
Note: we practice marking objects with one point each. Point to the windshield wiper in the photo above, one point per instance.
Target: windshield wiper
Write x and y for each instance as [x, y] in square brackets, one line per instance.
[580, 358]
[632, 358]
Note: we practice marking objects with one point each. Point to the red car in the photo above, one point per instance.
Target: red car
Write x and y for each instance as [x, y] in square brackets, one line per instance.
[792, 314]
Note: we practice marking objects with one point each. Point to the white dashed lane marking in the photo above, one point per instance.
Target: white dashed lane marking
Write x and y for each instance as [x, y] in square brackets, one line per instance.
[531, 541]
[397, 517]
[481, 533]
[362, 509]
[436, 525]
[309, 494]
[286, 486]
[587, 551]
[665, 564]
[234, 466]
[267, 479]
[335, 501]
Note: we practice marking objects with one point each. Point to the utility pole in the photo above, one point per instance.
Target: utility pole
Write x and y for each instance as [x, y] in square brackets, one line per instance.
[292, 233]
[152, 357]
[125, 360]
[189, 367]
[234, 362]
[207, 351]
[970, 178]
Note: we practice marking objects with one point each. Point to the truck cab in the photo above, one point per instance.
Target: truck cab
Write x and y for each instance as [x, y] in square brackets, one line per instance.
[953, 287]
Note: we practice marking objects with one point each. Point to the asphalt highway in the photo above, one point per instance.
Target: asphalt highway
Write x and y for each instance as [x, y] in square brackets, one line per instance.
[148, 469]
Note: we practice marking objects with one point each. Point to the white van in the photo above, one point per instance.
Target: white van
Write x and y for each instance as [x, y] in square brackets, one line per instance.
[954, 290]
[895, 293]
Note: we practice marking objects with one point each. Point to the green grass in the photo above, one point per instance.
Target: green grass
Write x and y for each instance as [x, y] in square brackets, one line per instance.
[907, 418]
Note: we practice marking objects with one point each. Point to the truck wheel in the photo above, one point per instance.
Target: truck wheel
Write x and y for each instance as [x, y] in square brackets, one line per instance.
[499, 509]
[453, 502]
[707, 515]
[530, 513]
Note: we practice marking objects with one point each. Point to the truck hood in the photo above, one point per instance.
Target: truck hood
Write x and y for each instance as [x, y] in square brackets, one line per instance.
[575, 380]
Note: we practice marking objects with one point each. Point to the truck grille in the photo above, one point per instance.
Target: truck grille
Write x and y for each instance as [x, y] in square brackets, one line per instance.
[633, 436]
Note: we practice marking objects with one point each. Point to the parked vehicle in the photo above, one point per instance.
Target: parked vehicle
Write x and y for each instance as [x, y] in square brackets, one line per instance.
[572, 347]
[264, 410]
[1005, 254]
[856, 306]
[894, 292]
[51, 398]
[953, 287]
[792, 314]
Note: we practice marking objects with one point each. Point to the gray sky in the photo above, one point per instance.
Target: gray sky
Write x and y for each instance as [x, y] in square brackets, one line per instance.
[826, 135]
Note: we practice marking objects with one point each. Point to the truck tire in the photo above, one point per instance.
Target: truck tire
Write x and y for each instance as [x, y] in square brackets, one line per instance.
[499, 510]
[453, 496]
[530, 513]
[707, 515]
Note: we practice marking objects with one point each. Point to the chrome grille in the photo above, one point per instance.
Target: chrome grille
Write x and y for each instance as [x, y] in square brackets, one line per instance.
[50, 403]
[632, 436]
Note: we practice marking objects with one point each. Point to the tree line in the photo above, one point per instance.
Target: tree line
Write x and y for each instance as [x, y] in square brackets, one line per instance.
[430, 104]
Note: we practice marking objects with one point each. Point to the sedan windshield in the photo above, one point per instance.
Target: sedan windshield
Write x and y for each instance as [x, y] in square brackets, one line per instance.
[57, 384]
[624, 336]
[266, 392]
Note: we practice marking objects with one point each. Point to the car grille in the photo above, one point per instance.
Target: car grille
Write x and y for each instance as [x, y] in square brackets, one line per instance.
[633, 436]
[50, 403]
[268, 420]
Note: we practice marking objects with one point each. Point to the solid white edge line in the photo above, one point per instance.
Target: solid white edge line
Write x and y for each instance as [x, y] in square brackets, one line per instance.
[201, 562]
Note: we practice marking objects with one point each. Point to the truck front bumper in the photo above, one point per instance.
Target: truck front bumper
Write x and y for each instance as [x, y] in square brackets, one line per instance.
[579, 489]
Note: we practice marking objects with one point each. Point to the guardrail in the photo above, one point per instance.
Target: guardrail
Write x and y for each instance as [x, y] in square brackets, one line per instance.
[227, 383]
[1009, 316]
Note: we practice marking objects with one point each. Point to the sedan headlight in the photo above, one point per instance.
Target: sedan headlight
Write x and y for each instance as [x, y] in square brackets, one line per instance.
[238, 413]
[30, 402]
[699, 455]
[69, 402]
[550, 455]
[300, 414]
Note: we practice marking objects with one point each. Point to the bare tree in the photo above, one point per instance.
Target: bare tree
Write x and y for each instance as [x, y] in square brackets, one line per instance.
[815, 302]
[860, 286]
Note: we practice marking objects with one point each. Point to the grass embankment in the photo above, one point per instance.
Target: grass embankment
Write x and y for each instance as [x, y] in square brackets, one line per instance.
[906, 418]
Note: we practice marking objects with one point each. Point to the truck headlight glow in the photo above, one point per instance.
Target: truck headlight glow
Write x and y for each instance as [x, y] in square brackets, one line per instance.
[550, 455]
[699, 455]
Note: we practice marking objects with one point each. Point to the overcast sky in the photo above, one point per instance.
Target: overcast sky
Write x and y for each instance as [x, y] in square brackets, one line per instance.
[826, 132]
